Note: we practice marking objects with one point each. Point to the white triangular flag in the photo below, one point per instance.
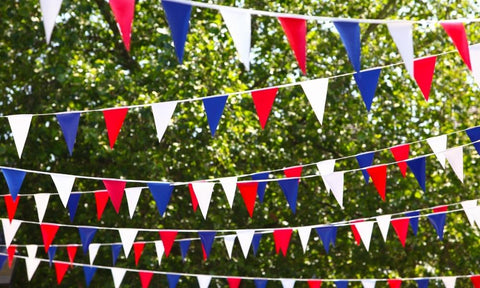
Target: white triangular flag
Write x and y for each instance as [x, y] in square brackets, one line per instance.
[449, 282]
[20, 124]
[455, 159]
[10, 229]
[118, 274]
[468, 209]
[438, 145]
[324, 168]
[245, 238]
[335, 182]
[402, 36]
[41, 201]
[287, 283]
[64, 184]
[160, 250]
[32, 265]
[162, 114]
[127, 235]
[475, 213]
[32, 250]
[204, 280]
[304, 234]
[229, 241]
[92, 251]
[316, 92]
[383, 222]
[239, 25]
[475, 60]
[132, 194]
[203, 191]
[229, 185]
[368, 283]
[50, 9]
[365, 230]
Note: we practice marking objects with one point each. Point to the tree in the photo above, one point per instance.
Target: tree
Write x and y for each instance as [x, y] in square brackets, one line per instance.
[86, 67]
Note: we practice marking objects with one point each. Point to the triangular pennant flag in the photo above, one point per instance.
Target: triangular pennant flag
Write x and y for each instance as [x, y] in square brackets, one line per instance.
[341, 284]
[50, 9]
[367, 82]
[256, 243]
[10, 229]
[260, 283]
[193, 197]
[245, 238]
[454, 157]
[138, 250]
[19, 124]
[365, 230]
[475, 281]
[86, 236]
[73, 204]
[316, 92]
[474, 135]
[69, 125]
[162, 114]
[61, 268]
[229, 185]
[313, 283]
[304, 234]
[413, 220]
[296, 31]
[124, 10]
[132, 194]
[356, 235]
[145, 278]
[89, 272]
[48, 234]
[438, 222]
[293, 172]
[117, 275]
[160, 250]
[369, 283]
[172, 280]
[229, 240]
[324, 168]
[422, 283]
[51, 254]
[178, 18]
[281, 238]
[400, 153]
[31, 250]
[92, 252]
[449, 282]
[383, 222]
[248, 190]
[11, 250]
[401, 228]
[127, 235]
[290, 190]
[71, 251]
[31, 265]
[438, 144]
[456, 31]
[116, 248]
[214, 109]
[14, 179]
[328, 234]
[239, 25]
[115, 190]
[207, 238]
[101, 198]
[468, 207]
[417, 166]
[350, 35]
[423, 74]
[161, 192]
[365, 160]
[64, 184]
[402, 36]
[335, 182]
[114, 121]
[184, 246]
[394, 283]
[203, 280]
[11, 206]
[41, 202]
[263, 100]
[261, 186]
[379, 178]
[234, 282]
[475, 60]
[168, 238]
[287, 283]
[203, 192]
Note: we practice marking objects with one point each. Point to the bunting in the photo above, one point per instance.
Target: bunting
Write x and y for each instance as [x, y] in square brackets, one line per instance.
[114, 120]
[239, 25]
[423, 74]
[161, 192]
[162, 114]
[263, 100]
[402, 36]
[316, 92]
[48, 234]
[296, 31]
[14, 179]
[132, 195]
[379, 178]
[350, 35]
[115, 190]
[214, 109]
[457, 33]
[365, 160]
[11, 206]
[367, 82]
[178, 18]
[261, 186]
[64, 184]
[248, 190]
[101, 199]
[400, 153]
[203, 192]
[124, 10]
[69, 125]
[50, 10]
[282, 239]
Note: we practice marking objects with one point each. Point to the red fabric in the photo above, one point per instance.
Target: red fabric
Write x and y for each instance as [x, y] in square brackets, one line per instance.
[72, 251]
[394, 283]
[439, 209]
[281, 238]
[11, 206]
[234, 282]
[293, 171]
[114, 120]
[401, 153]
[423, 73]
[296, 31]
[167, 237]
[145, 278]
[11, 254]
[248, 190]
[356, 235]
[475, 281]
[193, 197]
[379, 179]
[124, 10]
[101, 198]
[456, 31]
[48, 233]
[263, 101]
[115, 190]
[314, 283]
[401, 228]
[61, 268]
[138, 250]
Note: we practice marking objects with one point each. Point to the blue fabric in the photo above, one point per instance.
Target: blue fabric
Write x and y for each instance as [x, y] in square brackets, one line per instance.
[184, 246]
[178, 18]
[86, 236]
[260, 283]
[367, 82]
[350, 35]
[341, 284]
[14, 180]
[52, 250]
[256, 242]
[69, 125]
[413, 221]
[328, 234]
[214, 109]
[161, 192]
[365, 160]
[261, 185]
[89, 271]
[422, 283]
[172, 280]
[438, 222]
[115, 252]
[72, 205]
[418, 168]
[474, 135]
[290, 189]
[207, 238]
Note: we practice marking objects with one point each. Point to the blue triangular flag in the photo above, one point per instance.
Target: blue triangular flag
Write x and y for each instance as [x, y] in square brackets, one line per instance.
[214, 110]
[14, 180]
[178, 18]
[261, 185]
[367, 82]
[207, 238]
[365, 160]
[161, 193]
[438, 222]
[260, 283]
[341, 284]
[72, 205]
[422, 283]
[69, 125]
[474, 135]
[256, 242]
[350, 34]
[417, 166]
[3, 258]
[89, 271]
[413, 221]
[290, 189]
[116, 248]
[172, 280]
[52, 250]
[86, 236]
[328, 234]
[184, 246]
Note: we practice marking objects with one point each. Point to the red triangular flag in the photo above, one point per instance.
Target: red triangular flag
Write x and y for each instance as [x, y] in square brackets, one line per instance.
[314, 283]
[249, 194]
[281, 237]
[401, 228]
[293, 172]
[101, 198]
[263, 101]
[296, 31]
[456, 31]
[115, 190]
[123, 10]
[71, 250]
[379, 178]
[193, 197]
[401, 153]
[11, 205]
[475, 281]
[145, 278]
[11, 254]
[167, 237]
[48, 234]
[394, 283]
[234, 282]
[138, 249]
[61, 268]
[423, 69]
[114, 120]
[356, 235]
[439, 209]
